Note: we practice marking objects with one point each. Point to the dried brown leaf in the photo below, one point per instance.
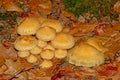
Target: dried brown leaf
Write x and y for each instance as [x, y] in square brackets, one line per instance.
[8, 53]
[13, 67]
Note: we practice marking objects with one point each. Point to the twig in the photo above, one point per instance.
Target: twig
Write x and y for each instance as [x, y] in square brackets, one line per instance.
[21, 70]
[16, 73]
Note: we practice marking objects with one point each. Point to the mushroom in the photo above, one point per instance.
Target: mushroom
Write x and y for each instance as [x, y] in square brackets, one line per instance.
[63, 41]
[31, 59]
[36, 50]
[86, 55]
[55, 24]
[25, 42]
[95, 42]
[60, 53]
[23, 54]
[41, 43]
[46, 64]
[47, 54]
[49, 46]
[46, 33]
[29, 26]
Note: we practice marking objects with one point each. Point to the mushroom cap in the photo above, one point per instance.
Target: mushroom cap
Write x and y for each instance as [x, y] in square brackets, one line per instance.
[25, 42]
[55, 24]
[29, 26]
[46, 64]
[23, 54]
[47, 54]
[41, 43]
[46, 33]
[85, 55]
[63, 41]
[36, 50]
[60, 53]
[49, 46]
[96, 43]
[32, 59]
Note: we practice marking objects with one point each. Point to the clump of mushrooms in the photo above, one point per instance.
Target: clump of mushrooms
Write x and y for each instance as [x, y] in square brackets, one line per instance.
[39, 36]
[89, 53]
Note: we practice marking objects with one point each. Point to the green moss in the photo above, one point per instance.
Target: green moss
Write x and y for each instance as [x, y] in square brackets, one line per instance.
[98, 8]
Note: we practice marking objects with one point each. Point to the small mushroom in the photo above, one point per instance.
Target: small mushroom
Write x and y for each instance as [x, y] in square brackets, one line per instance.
[31, 59]
[29, 26]
[47, 54]
[46, 64]
[25, 42]
[55, 24]
[63, 41]
[36, 50]
[46, 33]
[23, 54]
[41, 43]
[49, 46]
[60, 53]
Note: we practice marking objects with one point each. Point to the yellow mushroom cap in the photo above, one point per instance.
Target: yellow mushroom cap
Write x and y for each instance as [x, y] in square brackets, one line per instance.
[49, 46]
[55, 24]
[60, 53]
[85, 55]
[46, 64]
[63, 41]
[42, 43]
[96, 43]
[47, 54]
[46, 33]
[36, 50]
[29, 26]
[32, 59]
[25, 42]
[23, 54]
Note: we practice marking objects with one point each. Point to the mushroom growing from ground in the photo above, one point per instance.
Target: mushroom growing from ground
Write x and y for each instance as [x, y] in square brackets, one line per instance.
[47, 54]
[32, 59]
[46, 33]
[25, 42]
[46, 64]
[55, 24]
[23, 54]
[85, 55]
[36, 50]
[88, 53]
[28, 26]
[41, 43]
[60, 53]
[63, 41]
[96, 43]
[49, 46]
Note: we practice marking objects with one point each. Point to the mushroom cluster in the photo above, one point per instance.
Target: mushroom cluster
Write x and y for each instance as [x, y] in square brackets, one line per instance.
[42, 37]
[88, 53]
